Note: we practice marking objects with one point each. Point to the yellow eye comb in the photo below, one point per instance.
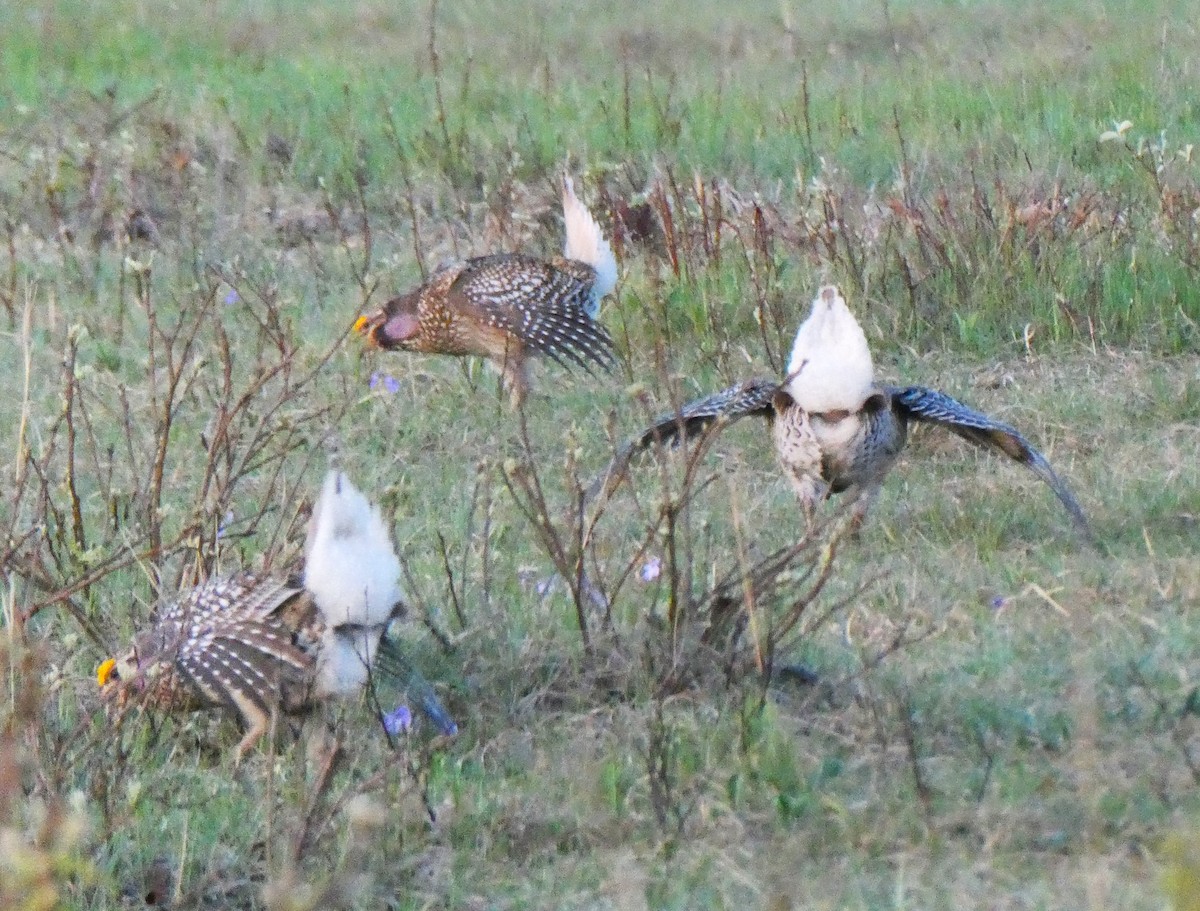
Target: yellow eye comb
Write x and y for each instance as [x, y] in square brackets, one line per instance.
[104, 671]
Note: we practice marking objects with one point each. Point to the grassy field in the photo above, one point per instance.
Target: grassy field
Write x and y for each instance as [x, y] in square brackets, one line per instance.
[199, 199]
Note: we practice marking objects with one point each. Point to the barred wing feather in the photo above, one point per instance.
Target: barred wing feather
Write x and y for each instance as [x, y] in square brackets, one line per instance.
[929, 406]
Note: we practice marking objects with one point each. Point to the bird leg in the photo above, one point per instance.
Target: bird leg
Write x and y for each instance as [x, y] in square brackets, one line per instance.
[253, 735]
[808, 508]
[863, 501]
[257, 720]
[514, 378]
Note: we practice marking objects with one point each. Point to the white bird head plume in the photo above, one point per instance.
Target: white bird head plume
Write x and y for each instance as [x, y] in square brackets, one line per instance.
[350, 568]
[830, 368]
[586, 243]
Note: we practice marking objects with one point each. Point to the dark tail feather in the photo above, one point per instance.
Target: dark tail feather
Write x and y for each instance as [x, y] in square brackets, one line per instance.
[568, 335]
[752, 397]
[1037, 463]
[395, 667]
[932, 407]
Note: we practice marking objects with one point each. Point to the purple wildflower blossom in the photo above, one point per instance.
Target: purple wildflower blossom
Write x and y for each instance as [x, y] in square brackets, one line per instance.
[231, 297]
[390, 384]
[398, 720]
[651, 569]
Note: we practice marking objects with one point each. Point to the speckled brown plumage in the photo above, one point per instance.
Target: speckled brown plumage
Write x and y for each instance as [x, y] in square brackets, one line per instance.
[258, 644]
[507, 308]
[873, 438]
[247, 643]
[852, 433]
[254, 645]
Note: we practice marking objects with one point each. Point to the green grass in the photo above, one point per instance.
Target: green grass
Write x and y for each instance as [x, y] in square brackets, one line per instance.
[1002, 718]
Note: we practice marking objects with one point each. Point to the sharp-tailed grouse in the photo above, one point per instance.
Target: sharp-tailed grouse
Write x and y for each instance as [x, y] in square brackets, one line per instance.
[834, 429]
[256, 644]
[509, 307]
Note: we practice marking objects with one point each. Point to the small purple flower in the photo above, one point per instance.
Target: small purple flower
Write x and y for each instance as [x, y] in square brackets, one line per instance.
[224, 524]
[651, 569]
[390, 384]
[231, 298]
[398, 720]
[998, 602]
[545, 586]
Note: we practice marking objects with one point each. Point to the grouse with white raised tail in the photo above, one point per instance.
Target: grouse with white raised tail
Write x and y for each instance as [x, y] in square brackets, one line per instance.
[834, 429]
[509, 307]
[257, 644]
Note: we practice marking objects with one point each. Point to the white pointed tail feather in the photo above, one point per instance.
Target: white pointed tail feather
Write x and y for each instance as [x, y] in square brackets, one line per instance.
[586, 243]
[350, 568]
[830, 368]
[345, 660]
